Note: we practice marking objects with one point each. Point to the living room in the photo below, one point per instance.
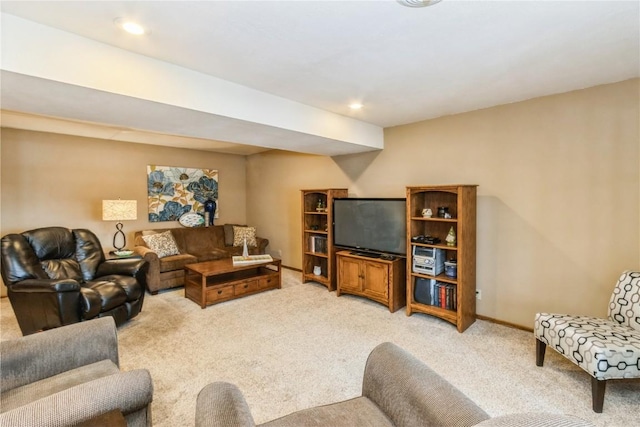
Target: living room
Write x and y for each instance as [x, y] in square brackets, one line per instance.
[558, 214]
[543, 218]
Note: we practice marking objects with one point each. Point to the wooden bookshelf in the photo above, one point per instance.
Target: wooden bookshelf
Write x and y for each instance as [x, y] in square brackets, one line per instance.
[460, 200]
[317, 235]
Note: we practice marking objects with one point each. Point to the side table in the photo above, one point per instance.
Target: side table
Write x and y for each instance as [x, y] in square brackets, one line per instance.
[111, 255]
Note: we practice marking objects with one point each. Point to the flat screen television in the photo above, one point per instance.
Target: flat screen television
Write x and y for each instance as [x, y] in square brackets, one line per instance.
[370, 225]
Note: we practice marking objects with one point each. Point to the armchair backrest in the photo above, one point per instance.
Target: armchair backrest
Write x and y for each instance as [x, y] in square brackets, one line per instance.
[624, 305]
[55, 249]
[412, 394]
[50, 253]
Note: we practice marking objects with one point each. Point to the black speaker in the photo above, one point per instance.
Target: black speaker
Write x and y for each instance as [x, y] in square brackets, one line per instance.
[422, 291]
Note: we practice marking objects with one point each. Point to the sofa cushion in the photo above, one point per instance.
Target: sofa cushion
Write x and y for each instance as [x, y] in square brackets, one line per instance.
[199, 240]
[212, 254]
[355, 412]
[162, 244]
[176, 262]
[237, 250]
[20, 396]
[242, 233]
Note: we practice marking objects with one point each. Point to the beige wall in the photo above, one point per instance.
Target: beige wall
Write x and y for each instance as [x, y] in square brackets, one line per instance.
[558, 207]
[559, 193]
[50, 179]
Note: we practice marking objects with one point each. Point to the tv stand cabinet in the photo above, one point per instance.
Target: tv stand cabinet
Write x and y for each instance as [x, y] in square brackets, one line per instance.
[374, 278]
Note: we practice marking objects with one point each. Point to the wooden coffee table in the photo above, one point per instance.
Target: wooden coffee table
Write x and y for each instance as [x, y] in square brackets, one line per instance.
[211, 282]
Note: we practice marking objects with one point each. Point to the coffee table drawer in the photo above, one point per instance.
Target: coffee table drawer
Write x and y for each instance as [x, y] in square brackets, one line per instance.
[268, 282]
[219, 293]
[244, 288]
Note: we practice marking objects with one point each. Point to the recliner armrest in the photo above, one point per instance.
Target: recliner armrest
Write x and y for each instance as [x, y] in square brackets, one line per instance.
[125, 267]
[63, 349]
[45, 285]
[222, 404]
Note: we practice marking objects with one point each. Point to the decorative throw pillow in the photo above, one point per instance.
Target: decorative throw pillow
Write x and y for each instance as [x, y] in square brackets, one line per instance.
[228, 233]
[241, 233]
[162, 244]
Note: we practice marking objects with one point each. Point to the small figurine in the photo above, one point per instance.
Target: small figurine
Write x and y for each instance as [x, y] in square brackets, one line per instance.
[245, 250]
[427, 213]
[451, 237]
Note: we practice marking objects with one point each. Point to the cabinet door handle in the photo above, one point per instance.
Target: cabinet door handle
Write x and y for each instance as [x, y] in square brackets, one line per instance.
[219, 292]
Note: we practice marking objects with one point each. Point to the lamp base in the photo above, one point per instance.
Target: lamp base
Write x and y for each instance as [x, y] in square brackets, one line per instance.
[115, 238]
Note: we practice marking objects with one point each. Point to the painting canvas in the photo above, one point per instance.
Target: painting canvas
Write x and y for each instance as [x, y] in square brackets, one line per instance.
[174, 191]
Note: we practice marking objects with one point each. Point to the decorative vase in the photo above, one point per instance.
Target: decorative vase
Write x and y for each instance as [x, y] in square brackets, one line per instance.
[317, 270]
[210, 207]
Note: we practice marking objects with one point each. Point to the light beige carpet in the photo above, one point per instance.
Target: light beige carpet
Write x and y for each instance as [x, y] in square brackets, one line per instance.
[302, 346]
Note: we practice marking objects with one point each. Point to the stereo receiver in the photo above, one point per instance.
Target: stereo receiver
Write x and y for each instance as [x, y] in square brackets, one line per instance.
[428, 260]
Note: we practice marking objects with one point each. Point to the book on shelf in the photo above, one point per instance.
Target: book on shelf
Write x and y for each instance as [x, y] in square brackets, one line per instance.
[318, 244]
[443, 295]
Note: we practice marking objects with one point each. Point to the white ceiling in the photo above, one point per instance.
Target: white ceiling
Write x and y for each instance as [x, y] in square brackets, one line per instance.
[404, 64]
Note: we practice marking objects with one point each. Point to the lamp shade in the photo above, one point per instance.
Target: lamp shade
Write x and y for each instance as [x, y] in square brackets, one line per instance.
[119, 210]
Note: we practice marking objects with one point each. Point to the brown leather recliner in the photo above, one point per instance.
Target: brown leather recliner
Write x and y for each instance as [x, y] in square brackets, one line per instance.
[56, 276]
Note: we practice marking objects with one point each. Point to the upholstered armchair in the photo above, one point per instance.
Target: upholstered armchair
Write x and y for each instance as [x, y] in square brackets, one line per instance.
[70, 375]
[56, 276]
[397, 390]
[606, 349]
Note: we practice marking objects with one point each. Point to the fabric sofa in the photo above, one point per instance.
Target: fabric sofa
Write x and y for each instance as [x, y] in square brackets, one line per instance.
[192, 245]
[397, 390]
[70, 375]
[56, 276]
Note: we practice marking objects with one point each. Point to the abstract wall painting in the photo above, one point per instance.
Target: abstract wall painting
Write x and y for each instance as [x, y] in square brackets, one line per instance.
[175, 191]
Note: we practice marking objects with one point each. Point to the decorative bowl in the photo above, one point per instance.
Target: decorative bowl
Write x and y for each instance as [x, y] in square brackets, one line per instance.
[123, 253]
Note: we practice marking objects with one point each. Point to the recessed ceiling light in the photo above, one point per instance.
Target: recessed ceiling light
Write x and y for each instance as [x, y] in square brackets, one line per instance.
[355, 106]
[418, 3]
[130, 27]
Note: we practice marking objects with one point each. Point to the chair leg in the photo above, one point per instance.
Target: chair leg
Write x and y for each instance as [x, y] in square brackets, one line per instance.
[597, 394]
[540, 349]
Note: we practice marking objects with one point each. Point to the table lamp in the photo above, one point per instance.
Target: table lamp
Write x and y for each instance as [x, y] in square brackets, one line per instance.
[119, 210]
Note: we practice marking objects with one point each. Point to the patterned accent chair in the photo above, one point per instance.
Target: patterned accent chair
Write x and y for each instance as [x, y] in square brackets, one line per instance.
[606, 348]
